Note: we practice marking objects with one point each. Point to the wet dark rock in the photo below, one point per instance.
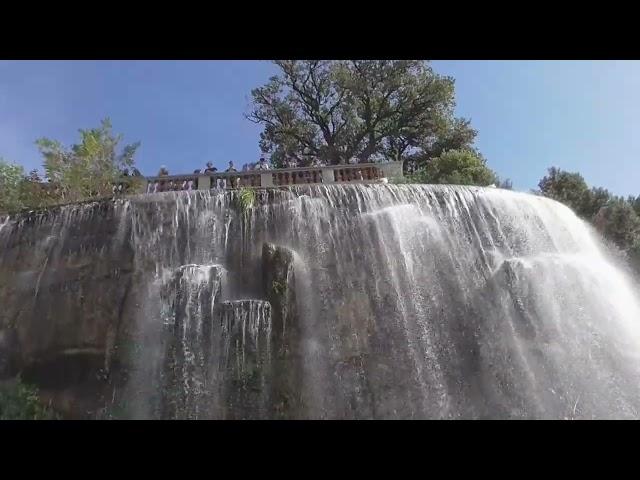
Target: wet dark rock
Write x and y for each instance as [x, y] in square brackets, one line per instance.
[280, 286]
[65, 278]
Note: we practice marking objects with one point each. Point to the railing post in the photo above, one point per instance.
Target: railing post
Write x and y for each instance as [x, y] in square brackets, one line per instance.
[392, 169]
[327, 175]
[279, 177]
[266, 179]
[204, 182]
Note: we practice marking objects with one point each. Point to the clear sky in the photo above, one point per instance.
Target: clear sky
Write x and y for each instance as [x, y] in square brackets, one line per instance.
[580, 116]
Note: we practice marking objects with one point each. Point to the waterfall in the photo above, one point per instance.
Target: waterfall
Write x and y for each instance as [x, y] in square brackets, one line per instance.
[372, 301]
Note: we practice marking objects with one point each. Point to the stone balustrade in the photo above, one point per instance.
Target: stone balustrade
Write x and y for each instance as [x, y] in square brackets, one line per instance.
[352, 173]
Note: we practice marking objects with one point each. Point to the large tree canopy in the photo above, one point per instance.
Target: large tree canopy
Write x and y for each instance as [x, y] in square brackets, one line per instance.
[369, 109]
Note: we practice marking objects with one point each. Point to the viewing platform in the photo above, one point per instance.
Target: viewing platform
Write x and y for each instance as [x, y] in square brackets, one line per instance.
[279, 177]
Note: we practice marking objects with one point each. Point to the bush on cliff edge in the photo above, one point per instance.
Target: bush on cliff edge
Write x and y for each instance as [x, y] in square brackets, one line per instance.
[19, 401]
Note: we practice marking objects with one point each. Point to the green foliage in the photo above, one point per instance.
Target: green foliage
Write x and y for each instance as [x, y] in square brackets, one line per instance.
[618, 221]
[616, 218]
[370, 109]
[408, 178]
[635, 203]
[19, 401]
[568, 188]
[18, 192]
[456, 167]
[459, 167]
[83, 171]
[634, 254]
[456, 134]
[10, 179]
[278, 288]
[88, 169]
[571, 189]
[505, 184]
[246, 199]
[591, 201]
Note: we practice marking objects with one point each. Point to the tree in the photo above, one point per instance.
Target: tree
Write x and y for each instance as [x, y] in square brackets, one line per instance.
[459, 167]
[88, 169]
[10, 179]
[635, 203]
[505, 184]
[34, 193]
[572, 190]
[369, 109]
[634, 254]
[615, 217]
[592, 201]
[400, 106]
[619, 223]
[454, 135]
[568, 188]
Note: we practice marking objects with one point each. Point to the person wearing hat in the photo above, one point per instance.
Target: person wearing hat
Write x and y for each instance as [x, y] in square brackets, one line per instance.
[210, 168]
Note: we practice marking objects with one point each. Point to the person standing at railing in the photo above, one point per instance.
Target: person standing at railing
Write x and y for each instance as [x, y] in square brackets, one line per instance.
[162, 186]
[210, 168]
[122, 184]
[232, 179]
[262, 165]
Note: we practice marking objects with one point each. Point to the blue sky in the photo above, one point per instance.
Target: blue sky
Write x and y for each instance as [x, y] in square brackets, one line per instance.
[578, 115]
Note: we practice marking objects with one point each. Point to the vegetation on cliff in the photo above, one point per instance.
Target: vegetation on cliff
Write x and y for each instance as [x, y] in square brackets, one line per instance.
[617, 218]
[84, 171]
[457, 167]
[246, 200]
[20, 401]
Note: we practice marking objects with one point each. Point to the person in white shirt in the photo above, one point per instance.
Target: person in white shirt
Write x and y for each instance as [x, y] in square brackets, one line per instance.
[262, 165]
[318, 163]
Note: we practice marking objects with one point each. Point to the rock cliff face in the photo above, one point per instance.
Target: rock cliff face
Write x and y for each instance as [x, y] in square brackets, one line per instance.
[360, 301]
[72, 291]
[65, 280]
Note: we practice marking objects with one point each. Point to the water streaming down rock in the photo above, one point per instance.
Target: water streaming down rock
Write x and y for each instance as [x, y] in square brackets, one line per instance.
[218, 353]
[359, 301]
[189, 298]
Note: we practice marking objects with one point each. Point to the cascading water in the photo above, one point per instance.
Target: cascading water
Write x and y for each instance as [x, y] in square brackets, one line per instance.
[375, 301]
